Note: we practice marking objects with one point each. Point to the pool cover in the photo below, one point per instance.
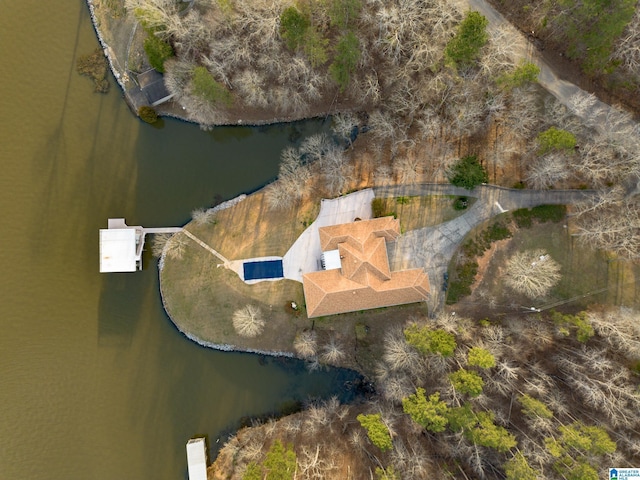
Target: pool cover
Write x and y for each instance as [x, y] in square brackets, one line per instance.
[263, 270]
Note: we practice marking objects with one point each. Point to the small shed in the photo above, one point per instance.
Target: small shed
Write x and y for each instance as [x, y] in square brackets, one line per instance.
[197, 459]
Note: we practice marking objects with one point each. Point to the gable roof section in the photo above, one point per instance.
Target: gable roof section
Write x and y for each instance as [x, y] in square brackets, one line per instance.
[365, 280]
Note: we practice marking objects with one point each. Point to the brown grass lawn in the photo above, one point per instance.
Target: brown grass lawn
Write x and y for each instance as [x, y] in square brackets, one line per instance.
[419, 212]
[201, 295]
[585, 272]
[250, 229]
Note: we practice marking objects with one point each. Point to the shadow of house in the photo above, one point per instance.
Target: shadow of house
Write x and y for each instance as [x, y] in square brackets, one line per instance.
[150, 90]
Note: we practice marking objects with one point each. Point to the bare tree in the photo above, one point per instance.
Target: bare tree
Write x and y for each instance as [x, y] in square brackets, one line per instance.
[315, 146]
[548, 170]
[620, 328]
[306, 344]
[532, 272]
[332, 352]
[176, 245]
[336, 171]
[342, 125]
[201, 216]
[248, 321]
[382, 126]
[611, 221]
[251, 87]
[628, 46]
[158, 243]
[398, 354]
[408, 169]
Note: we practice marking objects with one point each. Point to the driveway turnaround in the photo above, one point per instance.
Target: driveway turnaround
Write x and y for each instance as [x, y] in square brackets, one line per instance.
[304, 254]
[433, 247]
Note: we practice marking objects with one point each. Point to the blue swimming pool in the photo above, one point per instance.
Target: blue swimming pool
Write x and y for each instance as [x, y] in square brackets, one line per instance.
[263, 270]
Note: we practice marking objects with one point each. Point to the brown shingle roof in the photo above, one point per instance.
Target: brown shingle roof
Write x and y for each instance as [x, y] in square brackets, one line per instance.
[365, 280]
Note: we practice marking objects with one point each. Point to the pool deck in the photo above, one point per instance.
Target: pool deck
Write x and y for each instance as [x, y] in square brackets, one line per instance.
[304, 254]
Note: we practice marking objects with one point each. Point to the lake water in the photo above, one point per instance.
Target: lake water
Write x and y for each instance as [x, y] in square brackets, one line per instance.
[95, 382]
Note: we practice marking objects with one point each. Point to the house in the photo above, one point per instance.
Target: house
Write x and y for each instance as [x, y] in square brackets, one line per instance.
[356, 274]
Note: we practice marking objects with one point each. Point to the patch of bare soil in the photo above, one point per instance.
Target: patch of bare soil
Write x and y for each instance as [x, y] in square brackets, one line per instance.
[485, 259]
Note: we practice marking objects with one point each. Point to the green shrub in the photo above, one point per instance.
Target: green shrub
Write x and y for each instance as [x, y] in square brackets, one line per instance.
[543, 213]
[556, 139]
[430, 414]
[517, 468]
[342, 13]
[464, 48]
[534, 408]
[147, 114]
[468, 173]
[377, 431]
[94, 66]
[426, 340]
[592, 28]
[403, 200]
[524, 73]
[580, 323]
[293, 27]
[461, 203]
[468, 382]
[346, 59]
[464, 275]
[480, 429]
[280, 462]
[488, 434]
[253, 472]
[315, 48]
[205, 86]
[388, 473]
[480, 357]
[575, 447]
[158, 51]
[378, 207]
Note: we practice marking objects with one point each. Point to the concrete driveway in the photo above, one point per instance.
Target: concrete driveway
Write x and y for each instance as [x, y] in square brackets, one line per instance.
[304, 254]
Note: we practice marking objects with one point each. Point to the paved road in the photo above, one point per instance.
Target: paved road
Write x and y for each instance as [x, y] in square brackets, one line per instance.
[432, 248]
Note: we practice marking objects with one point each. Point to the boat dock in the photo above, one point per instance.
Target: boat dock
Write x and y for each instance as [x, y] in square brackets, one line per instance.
[121, 245]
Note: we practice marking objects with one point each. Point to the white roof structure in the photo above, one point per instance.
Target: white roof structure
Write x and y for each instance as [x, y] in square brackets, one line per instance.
[118, 250]
[331, 260]
[197, 459]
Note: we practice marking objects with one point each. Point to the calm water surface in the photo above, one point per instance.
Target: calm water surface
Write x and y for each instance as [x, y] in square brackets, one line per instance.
[95, 382]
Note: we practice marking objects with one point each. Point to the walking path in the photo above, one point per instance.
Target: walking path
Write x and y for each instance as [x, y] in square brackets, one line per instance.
[206, 247]
[433, 247]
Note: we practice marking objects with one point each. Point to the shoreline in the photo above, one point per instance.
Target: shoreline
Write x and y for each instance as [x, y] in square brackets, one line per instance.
[224, 347]
[120, 73]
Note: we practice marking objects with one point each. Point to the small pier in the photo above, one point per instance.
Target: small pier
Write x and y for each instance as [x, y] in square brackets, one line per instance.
[121, 245]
